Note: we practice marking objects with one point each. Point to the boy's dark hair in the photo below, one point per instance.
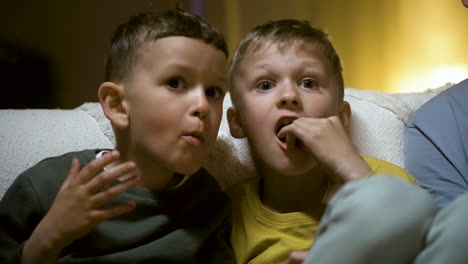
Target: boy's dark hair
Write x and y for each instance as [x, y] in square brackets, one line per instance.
[146, 27]
[289, 32]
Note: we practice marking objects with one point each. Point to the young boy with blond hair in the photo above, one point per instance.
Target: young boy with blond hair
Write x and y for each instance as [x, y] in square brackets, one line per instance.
[314, 190]
[147, 201]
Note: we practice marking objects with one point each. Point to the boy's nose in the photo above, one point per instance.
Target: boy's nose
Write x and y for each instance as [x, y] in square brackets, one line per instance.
[288, 97]
[201, 106]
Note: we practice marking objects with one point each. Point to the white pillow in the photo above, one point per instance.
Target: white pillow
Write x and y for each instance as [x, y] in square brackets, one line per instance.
[29, 136]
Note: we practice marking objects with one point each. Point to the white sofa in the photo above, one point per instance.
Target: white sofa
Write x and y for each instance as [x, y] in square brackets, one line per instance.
[28, 136]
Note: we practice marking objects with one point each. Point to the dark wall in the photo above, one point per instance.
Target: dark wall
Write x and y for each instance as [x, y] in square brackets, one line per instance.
[52, 51]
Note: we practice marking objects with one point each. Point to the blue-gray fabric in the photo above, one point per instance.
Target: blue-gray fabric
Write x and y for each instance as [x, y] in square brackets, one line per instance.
[446, 239]
[437, 144]
[383, 219]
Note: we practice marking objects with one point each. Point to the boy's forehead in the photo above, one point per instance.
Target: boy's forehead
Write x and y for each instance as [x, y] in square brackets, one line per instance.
[259, 56]
[173, 47]
[263, 51]
[179, 53]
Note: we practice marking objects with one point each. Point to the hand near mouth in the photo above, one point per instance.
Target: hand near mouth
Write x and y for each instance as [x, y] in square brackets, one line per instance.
[329, 143]
[291, 141]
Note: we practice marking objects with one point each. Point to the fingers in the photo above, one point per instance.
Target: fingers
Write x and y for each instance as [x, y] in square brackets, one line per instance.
[74, 170]
[101, 198]
[97, 183]
[298, 130]
[98, 187]
[321, 126]
[311, 128]
[290, 141]
[95, 166]
[113, 211]
[83, 201]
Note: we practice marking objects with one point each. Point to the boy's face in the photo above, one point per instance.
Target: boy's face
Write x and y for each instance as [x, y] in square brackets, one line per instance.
[175, 99]
[275, 87]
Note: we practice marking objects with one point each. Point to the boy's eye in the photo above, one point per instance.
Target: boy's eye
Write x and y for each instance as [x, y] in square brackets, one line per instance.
[214, 92]
[176, 83]
[308, 83]
[264, 85]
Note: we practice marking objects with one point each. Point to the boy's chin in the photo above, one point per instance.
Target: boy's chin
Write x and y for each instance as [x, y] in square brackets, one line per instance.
[293, 172]
[296, 169]
[187, 164]
[187, 169]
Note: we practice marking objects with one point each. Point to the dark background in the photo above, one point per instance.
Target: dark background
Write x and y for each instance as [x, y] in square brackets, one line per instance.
[52, 51]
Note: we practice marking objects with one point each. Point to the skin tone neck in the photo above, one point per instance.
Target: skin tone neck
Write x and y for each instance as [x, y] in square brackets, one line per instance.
[153, 176]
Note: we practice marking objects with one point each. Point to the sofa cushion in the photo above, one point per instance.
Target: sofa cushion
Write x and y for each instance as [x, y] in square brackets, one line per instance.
[28, 136]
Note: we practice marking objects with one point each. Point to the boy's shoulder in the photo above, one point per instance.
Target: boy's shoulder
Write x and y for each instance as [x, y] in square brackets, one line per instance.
[379, 166]
[58, 164]
[85, 156]
[440, 108]
[44, 179]
[50, 173]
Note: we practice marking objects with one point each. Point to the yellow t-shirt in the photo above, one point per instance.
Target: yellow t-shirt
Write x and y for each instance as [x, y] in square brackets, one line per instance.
[262, 236]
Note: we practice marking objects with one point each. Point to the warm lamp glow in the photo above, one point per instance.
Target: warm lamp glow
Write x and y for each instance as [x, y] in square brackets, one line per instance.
[397, 46]
[444, 74]
[432, 78]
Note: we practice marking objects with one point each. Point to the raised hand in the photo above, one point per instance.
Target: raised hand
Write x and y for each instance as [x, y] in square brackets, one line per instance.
[330, 144]
[79, 206]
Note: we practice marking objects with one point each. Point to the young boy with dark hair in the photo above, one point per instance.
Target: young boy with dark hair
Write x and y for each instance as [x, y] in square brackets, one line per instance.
[147, 201]
[287, 88]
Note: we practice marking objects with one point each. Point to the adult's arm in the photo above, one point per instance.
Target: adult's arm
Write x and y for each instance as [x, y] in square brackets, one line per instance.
[437, 144]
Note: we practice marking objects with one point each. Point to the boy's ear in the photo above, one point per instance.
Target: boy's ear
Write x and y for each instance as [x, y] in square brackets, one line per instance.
[345, 114]
[235, 125]
[111, 96]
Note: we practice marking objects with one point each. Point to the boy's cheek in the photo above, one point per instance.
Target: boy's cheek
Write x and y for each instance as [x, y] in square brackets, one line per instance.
[212, 134]
[217, 115]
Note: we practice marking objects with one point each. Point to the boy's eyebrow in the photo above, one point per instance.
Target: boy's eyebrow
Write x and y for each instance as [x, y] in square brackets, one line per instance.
[222, 78]
[313, 64]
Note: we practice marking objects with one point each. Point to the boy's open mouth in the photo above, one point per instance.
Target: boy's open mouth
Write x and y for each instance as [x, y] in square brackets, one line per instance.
[282, 123]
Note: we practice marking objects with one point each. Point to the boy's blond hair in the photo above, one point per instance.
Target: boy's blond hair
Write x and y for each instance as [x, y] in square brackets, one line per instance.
[284, 33]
